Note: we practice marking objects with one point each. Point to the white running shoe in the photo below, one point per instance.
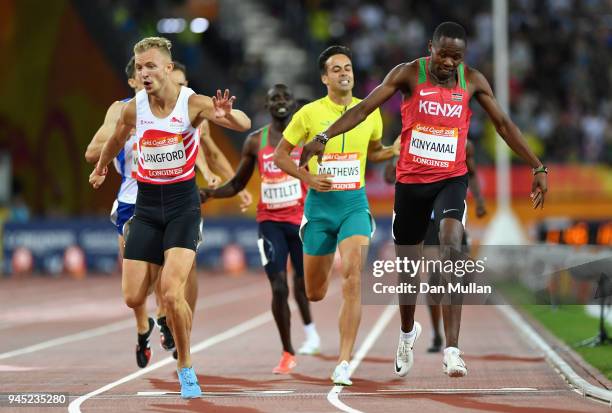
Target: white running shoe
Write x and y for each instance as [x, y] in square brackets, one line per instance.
[311, 346]
[404, 357]
[452, 363]
[341, 376]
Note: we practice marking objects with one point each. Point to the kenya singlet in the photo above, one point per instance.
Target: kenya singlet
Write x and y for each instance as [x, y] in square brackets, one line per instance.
[435, 122]
[282, 196]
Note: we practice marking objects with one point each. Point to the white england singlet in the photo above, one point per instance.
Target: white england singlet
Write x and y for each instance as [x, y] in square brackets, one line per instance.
[167, 147]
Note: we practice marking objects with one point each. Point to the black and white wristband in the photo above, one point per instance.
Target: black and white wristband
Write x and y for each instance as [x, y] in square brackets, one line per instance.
[321, 138]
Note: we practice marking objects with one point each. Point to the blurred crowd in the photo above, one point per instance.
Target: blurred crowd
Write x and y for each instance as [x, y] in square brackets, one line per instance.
[559, 53]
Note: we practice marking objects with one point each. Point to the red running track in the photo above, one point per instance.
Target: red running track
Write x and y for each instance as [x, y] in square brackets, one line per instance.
[77, 337]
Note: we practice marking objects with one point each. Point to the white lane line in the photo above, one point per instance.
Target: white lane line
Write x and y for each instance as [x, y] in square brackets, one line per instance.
[381, 323]
[75, 406]
[212, 301]
[565, 370]
[464, 391]
[224, 393]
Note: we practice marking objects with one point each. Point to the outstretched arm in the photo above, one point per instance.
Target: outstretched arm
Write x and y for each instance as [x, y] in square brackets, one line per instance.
[111, 148]
[216, 160]
[218, 109]
[473, 183]
[219, 165]
[243, 174]
[510, 133]
[92, 154]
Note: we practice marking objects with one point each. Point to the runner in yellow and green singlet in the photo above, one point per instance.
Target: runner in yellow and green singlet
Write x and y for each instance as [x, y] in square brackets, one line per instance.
[336, 212]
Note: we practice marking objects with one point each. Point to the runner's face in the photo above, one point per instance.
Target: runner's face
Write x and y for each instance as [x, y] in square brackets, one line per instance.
[178, 77]
[279, 102]
[338, 73]
[446, 55]
[153, 68]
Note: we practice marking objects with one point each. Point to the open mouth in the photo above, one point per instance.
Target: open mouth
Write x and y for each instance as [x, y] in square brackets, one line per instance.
[344, 82]
[282, 110]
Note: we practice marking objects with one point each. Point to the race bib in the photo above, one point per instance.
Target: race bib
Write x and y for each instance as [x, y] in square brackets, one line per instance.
[345, 167]
[281, 194]
[163, 153]
[434, 142]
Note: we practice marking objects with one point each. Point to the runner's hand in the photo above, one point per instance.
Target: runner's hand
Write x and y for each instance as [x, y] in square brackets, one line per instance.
[212, 180]
[223, 103]
[311, 149]
[246, 199]
[321, 183]
[97, 176]
[539, 187]
[397, 144]
[205, 194]
[481, 210]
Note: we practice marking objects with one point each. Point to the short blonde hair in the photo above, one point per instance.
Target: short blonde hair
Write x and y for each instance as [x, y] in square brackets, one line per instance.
[160, 43]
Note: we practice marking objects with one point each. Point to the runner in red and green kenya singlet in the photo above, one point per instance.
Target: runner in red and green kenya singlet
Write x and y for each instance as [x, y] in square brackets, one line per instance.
[282, 196]
[279, 213]
[431, 171]
[435, 123]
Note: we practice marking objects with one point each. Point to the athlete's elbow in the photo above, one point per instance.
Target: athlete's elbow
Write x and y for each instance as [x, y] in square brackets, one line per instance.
[245, 125]
[91, 156]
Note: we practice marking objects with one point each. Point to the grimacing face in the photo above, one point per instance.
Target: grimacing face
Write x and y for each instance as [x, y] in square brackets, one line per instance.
[279, 102]
[338, 73]
[153, 68]
[446, 55]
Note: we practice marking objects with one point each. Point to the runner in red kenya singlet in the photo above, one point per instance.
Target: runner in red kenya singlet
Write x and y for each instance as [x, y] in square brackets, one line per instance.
[279, 214]
[431, 170]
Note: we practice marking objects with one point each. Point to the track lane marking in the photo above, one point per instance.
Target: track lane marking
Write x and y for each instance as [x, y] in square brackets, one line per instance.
[211, 301]
[375, 332]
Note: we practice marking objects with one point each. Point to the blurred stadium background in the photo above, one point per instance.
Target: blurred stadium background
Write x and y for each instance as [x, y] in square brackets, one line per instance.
[63, 66]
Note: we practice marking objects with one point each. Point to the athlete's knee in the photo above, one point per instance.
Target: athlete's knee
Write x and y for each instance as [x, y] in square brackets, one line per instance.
[315, 291]
[351, 285]
[315, 294]
[280, 289]
[171, 297]
[133, 299]
[299, 289]
[451, 237]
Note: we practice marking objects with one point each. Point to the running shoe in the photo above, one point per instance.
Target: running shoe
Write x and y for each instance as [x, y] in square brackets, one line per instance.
[143, 348]
[341, 375]
[311, 346]
[404, 357]
[190, 388]
[452, 363]
[165, 335]
[286, 364]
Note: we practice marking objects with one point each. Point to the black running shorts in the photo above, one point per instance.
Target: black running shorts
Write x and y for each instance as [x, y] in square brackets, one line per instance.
[415, 202]
[166, 216]
[278, 241]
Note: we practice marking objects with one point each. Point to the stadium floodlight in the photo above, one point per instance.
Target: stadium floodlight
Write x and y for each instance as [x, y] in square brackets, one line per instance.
[171, 25]
[199, 25]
